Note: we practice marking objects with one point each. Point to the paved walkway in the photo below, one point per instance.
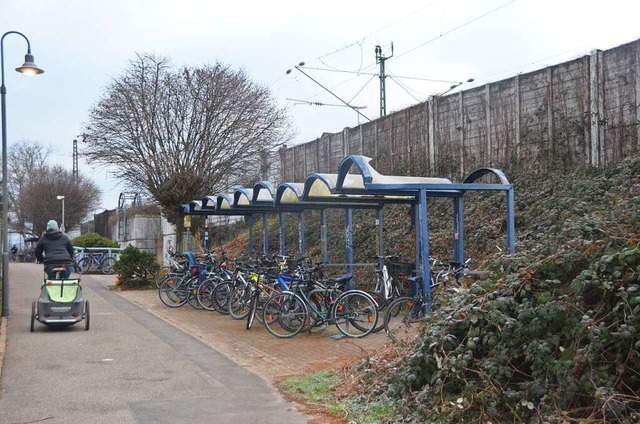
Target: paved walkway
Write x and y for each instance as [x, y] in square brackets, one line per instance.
[131, 363]
[267, 356]
[130, 368]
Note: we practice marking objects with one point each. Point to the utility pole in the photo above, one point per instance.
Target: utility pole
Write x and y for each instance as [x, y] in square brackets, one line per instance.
[383, 95]
[75, 159]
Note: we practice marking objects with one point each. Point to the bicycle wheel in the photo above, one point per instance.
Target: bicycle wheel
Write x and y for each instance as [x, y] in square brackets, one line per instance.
[85, 265]
[220, 297]
[253, 309]
[319, 307]
[285, 315]
[192, 292]
[381, 307]
[107, 265]
[76, 267]
[239, 302]
[204, 293]
[171, 294]
[403, 321]
[355, 313]
[262, 299]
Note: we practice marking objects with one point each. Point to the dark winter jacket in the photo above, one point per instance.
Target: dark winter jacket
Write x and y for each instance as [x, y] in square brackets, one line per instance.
[54, 248]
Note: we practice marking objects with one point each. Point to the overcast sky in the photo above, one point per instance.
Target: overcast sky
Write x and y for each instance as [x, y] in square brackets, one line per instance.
[83, 44]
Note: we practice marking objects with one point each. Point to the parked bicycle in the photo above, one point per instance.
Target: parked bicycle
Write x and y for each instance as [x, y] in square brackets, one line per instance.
[101, 261]
[313, 304]
[404, 317]
[390, 276]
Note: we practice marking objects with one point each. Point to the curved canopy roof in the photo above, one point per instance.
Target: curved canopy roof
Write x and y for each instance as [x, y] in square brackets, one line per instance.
[368, 175]
[374, 182]
[263, 192]
[366, 188]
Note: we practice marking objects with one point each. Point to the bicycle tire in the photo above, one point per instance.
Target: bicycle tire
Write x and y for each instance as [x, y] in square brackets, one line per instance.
[204, 293]
[107, 265]
[262, 299]
[285, 315]
[253, 308]
[192, 292]
[85, 265]
[172, 294]
[402, 320]
[220, 297]
[355, 309]
[381, 307]
[76, 267]
[239, 300]
[319, 307]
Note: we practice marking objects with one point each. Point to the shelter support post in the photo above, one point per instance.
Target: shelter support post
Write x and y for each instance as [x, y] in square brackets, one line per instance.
[323, 235]
[251, 249]
[206, 233]
[415, 218]
[511, 222]
[424, 238]
[458, 229]
[380, 235]
[301, 238]
[349, 244]
[265, 235]
[283, 247]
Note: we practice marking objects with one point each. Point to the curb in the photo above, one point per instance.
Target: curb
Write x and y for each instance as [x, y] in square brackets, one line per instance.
[3, 345]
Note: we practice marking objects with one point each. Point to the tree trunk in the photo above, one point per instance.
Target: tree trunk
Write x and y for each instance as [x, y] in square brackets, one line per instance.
[179, 233]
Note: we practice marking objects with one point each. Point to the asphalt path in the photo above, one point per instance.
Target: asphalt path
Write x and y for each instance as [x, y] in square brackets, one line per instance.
[130, 367]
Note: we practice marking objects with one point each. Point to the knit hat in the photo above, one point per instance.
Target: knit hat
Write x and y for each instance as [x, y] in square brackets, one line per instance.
[52, 225]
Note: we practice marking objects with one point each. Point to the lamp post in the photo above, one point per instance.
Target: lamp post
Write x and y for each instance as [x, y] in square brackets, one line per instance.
[29, 68]
[61, 222]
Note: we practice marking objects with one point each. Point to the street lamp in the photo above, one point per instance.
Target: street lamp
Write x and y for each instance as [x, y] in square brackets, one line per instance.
[28, 68]
[61, 222]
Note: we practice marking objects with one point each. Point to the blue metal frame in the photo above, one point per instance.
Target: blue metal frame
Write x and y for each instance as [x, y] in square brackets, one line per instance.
[301, 235]
[283, 248]
[349, 244]
[368, 190]
[425, 187]
[380, 234]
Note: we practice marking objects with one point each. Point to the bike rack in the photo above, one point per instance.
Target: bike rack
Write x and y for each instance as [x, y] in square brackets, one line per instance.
[366, 189]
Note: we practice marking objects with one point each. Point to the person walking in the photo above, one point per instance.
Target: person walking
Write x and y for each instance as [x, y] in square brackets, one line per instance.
[55, 250]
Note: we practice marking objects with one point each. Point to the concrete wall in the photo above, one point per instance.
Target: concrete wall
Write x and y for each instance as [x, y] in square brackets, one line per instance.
[142, 232]
[578, 113]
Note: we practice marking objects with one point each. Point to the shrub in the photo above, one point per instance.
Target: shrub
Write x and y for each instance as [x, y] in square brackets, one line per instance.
[93, 240]
[136, 268]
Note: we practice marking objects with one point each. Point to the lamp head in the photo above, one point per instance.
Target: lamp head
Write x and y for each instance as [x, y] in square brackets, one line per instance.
[29, 67]
[60, 197]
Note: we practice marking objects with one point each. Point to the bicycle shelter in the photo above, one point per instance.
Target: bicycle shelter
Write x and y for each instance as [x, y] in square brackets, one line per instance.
[364, 189]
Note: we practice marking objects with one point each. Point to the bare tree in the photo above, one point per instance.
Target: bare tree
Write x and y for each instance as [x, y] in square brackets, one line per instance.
[25, 160]
[178, 134]
[37, 199]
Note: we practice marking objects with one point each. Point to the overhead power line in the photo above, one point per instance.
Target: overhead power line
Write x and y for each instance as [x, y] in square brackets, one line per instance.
[361, 40]
[297, 67]
[306, 102]
[375, 74]
[372, 65]
[456, 28]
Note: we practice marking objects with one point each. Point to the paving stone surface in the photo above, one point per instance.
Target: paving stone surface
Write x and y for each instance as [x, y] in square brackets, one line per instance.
[267, 356]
